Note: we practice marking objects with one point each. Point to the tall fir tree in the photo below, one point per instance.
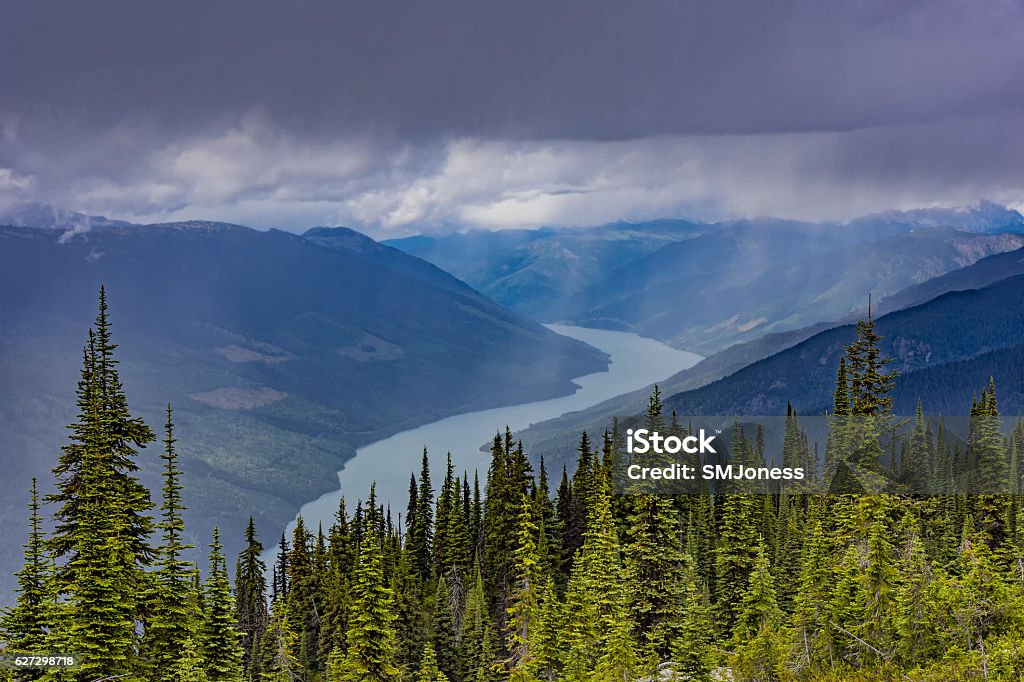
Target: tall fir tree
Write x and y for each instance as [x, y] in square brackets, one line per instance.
[444, 635]
[524, 609]
[221, 648]
[101, 537]
[870, 385]
[755, 636]
[691, 649]
[278, 661]
[594, 608]
[169, 621]
[421, 522]
[656, 570]
[303, 595]
[25, 626]
[371, 636]
[988, 453]
[251, 613]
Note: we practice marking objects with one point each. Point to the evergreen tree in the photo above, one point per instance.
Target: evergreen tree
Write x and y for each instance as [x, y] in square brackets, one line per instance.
[451, 535]
[410, 616]
[429, 672]
[421, 521]
[583, 482]
[104, 442]
[505, 487]
[656, 571]
[370, 655]
[870, 385]
[335, 666]
[277, 654]
[595, 609]
[755, 634]
[251, 612]
[736, 550]
[846, 607]
[917, 467]
[444, 636]
[523, 613]
[619, 659]
[24, 626]
[220, 643]
[811, 617]
[545, 645]
[654, 419]
[879, 580]
[101, 536]
[987, 451]
[170, 622]
[279, 586]
[471, 650]
[302, 597]
[691, 649]
[570, 525]
[342, 557]
[841, 397]
[189, 664]
[914, 622]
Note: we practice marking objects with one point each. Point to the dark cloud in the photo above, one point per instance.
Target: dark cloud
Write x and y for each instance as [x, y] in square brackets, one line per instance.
[535, 68]
[94, 94]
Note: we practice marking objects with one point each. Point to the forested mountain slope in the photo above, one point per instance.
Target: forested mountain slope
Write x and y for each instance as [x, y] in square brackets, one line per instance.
[279, 354]
[953, 327]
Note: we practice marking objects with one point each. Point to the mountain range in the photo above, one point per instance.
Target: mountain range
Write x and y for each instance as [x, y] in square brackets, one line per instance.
[923, 341]
[538, 272]
[280, 354]
[944, 349]
[947, 336]
[705, 286]
[731, 286]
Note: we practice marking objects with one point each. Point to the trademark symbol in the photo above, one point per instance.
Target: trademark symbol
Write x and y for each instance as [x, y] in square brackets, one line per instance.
[718, 431]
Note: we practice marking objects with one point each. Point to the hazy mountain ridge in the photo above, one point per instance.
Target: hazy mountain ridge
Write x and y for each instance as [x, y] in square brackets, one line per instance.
[556, 439]
[538, 272]
[767, 284]
[51, 217]
[979, 274]
[988, 319]
[985, 216]
[364, 247]
[655, 277]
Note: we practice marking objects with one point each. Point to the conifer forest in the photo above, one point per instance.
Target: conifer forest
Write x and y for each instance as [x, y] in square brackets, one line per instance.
[900, 570]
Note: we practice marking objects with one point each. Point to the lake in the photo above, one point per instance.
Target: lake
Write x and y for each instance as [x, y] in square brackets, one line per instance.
[636, 362]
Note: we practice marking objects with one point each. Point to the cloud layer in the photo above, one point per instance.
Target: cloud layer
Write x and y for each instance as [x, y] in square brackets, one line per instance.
[396, 117]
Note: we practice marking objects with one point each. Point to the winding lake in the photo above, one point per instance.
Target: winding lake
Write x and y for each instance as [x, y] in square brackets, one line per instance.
[635, 362]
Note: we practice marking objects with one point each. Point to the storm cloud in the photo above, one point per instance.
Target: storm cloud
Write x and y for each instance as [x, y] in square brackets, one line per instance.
[396, 117]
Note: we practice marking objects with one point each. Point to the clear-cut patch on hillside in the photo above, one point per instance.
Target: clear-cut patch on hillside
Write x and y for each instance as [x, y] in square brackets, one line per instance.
[235, 353]
[232, 398]
[372, 348]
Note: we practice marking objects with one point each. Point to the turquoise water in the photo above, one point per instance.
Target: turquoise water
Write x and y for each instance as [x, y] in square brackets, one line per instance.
[636, 362]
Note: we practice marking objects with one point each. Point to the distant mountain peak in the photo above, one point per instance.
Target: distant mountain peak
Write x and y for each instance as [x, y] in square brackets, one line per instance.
[74, 224]
[199, 226]
[984, 216]
[51, 217]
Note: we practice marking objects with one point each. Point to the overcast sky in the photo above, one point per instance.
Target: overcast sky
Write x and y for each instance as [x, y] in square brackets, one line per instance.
[396, 117]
